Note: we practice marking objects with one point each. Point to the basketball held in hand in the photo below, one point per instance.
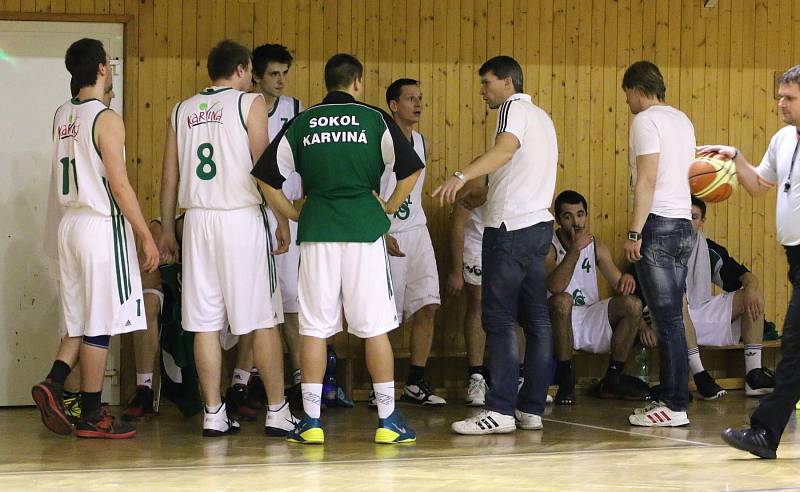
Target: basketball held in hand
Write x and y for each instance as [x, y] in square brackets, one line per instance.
[712, 177]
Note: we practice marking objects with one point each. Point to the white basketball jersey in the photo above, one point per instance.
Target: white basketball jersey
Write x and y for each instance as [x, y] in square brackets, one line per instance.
[583, 284]
[410, 214]
[213, 150]
[78, 176]
[283, 111]
[473, 233]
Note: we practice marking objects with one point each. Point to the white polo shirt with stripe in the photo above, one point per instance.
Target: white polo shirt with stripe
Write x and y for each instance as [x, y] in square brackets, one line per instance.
[521, 191]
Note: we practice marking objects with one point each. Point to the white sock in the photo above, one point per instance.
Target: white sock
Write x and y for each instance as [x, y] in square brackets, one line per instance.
[214, 409]
[312, 397]
[297, 376]
[275, 408]
[695, 364]
[144, 379]
[240, 376]
[752, 357]
[384, 396]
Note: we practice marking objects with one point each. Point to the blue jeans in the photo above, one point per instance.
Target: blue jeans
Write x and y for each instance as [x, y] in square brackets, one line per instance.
[775, 409]
[514, 291]
[666, 246]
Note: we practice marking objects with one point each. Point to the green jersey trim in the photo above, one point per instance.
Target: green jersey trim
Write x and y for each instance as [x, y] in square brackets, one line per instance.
[241, 114]
[208, 91]
[274, 107]
[78, 102]
[94, 123]
[121, 261]
[273, 278]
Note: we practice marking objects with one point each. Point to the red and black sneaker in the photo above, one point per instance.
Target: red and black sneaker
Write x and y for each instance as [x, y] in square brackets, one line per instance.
[237, 404]
[102, 425]
[49, 397]
[140, 405]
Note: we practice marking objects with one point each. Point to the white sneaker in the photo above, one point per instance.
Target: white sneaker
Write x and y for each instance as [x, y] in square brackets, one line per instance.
[549, 399]
[371, 401]
[476, 393]
[528, 421]
[658, 414]
[280, 422]
[422, 394]
[218, 424]
[485, 422]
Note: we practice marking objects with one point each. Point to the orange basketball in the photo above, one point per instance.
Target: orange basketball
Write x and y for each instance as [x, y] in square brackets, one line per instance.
[712, 177]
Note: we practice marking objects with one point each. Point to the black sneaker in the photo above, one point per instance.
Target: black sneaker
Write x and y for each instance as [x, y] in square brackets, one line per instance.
[566, 386]
[49, 398]
[140, 405]
[422, 394]
[256, 396]
[619, 387]
[236, 401]
[707, 388]
[754, 441]
[759, 382]
[103, 426]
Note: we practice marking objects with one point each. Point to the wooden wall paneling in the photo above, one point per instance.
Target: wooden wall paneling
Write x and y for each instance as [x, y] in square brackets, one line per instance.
[722, 132]
[231, 20]
[146, 95]
[205, 16]
[581, 86]
[159, 113]
[117, 6]
[557, 108]
[618, 206]
[317, 50]
[329, 34]
[569, 163]
[102, 7]
[300, 79]
[760, 91]
[737, 138]
[604, 200]
[42, 6]
[745, 229]
[188, 53]
[708, 104]
[130, 101]
[246, 29]
[597, 112]
[344, 39]
[87, 6]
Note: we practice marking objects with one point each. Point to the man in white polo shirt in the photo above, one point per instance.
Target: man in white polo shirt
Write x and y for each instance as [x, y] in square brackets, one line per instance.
[518, 230]
[779, 169]
[659, 242]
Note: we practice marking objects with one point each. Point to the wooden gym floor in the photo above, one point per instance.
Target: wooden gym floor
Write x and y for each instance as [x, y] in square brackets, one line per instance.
[586, 447]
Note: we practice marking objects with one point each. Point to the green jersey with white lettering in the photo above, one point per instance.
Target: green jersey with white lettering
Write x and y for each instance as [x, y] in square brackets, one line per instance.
[340, 148]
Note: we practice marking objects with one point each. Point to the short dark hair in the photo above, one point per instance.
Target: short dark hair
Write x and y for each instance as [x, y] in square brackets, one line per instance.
[82, 58]
[791, 76]
[269, 53]
[646, 77]
[504, 66]
[73, 88]
[396, 88]
[341, 70]
[696, 202]
[571, 197]
[225, 57]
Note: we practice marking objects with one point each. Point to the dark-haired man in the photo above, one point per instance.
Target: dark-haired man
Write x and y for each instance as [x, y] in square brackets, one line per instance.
[341, 148]
[414, 275]
[724, 319]
[778, 168]
[229, 275]
[271, 64]
[521, 166]
[581, 320]
[101, 294]
[662, 146]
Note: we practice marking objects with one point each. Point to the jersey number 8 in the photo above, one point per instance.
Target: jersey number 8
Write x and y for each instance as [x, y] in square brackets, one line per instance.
[207, 168]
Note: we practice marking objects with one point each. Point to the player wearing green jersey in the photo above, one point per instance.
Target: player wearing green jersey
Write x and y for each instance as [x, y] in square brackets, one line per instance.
[341, 148]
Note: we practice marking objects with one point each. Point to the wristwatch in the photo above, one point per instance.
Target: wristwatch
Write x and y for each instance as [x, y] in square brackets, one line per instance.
[460, 175]
[634, 236]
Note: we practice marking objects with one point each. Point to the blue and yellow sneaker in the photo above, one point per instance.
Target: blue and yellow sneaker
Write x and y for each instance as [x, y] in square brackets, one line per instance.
[307, 431]
[72, 406]
[393, 430]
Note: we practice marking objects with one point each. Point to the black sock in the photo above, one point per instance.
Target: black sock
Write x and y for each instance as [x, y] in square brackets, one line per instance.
[477, 370]
[564, 372]
[90, 404]
[58, 374]
[615, 367]
[415, 374]
[70, 394]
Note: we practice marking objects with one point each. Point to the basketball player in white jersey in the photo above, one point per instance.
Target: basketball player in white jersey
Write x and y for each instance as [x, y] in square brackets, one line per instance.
[229, 276]
[581, 320]
[271, 64]
[466, 240]
[101, 295]
[412, 260]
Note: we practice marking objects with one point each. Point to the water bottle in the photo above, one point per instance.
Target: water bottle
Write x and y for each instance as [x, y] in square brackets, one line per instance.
[642, 370]
[329, 383]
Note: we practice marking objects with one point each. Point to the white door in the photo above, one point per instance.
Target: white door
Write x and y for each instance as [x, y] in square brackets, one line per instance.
[34, 82]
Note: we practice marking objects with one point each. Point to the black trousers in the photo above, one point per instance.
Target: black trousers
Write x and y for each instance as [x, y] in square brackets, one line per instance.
[775, 409]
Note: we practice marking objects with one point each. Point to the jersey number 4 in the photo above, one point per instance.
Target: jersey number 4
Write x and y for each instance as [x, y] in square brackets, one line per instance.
[207, 168]
[586, 265]
[66, 162]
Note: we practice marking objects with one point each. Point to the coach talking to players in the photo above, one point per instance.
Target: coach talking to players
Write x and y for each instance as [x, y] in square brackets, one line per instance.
[519, 228]
[777, 168]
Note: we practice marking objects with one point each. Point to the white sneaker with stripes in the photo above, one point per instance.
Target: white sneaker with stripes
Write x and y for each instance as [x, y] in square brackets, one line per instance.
[486, 422]
[658, 414]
